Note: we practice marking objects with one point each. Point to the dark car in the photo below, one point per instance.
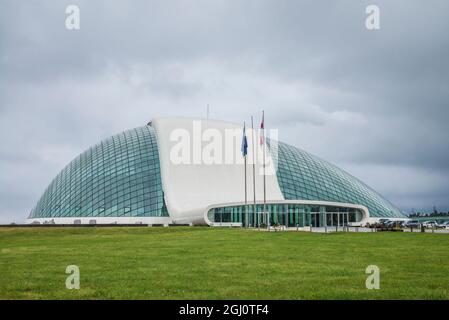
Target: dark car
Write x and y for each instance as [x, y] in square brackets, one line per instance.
[393, 224]
[396, 224]
[383, 223]
[412, 224]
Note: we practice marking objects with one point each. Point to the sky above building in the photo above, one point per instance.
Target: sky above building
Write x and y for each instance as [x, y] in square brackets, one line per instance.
[373, 102]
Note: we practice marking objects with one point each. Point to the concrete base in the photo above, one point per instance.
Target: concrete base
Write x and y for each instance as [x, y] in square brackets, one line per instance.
[102, 220]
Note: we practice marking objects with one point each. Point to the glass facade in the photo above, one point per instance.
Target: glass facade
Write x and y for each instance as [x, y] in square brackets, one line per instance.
[303, 176]
[288, 214]
[118, 177]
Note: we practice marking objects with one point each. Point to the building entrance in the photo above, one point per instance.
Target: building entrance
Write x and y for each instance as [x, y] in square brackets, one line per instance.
[289, 215]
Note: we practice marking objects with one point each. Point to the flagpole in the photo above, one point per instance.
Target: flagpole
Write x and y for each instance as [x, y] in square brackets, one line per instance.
[264, 180]
[254, 173]
[246, 187]
[246, 198]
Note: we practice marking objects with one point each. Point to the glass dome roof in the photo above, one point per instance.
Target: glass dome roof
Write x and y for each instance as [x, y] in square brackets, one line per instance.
[303, 176]
[118, 177]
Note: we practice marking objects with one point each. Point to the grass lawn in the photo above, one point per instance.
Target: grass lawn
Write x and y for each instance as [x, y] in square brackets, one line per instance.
[213, 263]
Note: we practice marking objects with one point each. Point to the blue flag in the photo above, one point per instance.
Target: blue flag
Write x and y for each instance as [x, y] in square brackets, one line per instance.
[244, 142]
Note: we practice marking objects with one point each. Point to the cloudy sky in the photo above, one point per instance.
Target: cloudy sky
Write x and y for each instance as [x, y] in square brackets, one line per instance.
[376, 103]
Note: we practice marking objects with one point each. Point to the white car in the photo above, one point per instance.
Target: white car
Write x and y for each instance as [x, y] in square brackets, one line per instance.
[429, 224]
[444, 225]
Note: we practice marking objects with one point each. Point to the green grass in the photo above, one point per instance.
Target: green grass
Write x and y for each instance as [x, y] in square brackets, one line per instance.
[213, 263]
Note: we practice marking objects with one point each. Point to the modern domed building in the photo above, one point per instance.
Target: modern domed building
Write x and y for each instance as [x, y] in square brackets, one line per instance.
[186, 171]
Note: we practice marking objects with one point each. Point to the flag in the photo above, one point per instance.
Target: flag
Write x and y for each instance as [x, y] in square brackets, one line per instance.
[262, 128]
[244, 142]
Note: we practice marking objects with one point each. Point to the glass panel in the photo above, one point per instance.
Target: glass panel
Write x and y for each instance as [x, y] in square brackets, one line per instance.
[119, 176]
[303, 176]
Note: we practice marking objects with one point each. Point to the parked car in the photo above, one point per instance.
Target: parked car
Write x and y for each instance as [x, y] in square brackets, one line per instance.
[440, 225]
[402, 223]
[378, 224]
[430, 224]
[396, 224]
[388, 224]
[443, 225]
[383, 223]
[412, 224]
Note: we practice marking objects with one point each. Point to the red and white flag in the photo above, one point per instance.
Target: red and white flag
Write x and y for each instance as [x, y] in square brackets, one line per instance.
[262, 128]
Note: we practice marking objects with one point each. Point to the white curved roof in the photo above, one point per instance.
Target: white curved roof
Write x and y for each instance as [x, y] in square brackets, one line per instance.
[197, 175]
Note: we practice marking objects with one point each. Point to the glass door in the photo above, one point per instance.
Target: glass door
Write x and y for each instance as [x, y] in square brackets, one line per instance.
[315, 217]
